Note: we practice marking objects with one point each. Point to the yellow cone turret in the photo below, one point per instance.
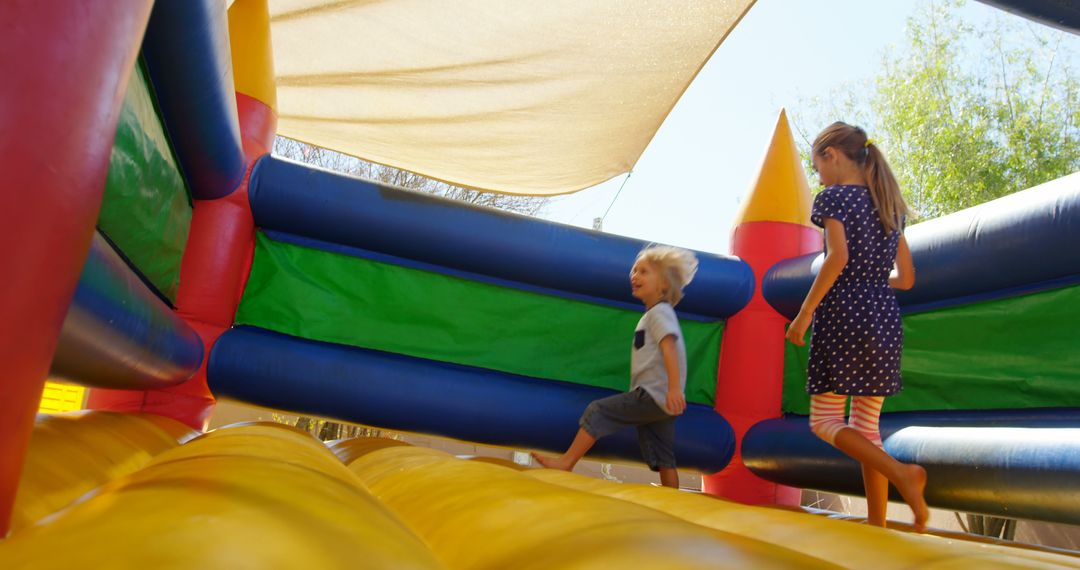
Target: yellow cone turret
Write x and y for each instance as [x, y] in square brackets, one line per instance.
[781, 192]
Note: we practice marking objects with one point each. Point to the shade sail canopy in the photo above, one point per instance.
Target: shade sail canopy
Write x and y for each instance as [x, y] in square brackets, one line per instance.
[518, 97]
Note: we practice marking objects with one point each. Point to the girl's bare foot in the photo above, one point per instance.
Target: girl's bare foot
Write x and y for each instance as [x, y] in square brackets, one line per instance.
[552, 462]
[911, 486]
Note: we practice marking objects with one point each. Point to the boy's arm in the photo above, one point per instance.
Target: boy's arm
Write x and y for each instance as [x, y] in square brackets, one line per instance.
[676, 401]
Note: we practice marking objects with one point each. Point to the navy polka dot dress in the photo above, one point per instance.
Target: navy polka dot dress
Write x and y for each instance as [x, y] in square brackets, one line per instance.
[855, 347]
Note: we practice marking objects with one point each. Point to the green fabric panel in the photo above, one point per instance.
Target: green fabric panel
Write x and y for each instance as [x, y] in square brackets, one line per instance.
[341, 299]
[1020, 352]
[146, 211]
[794, 399]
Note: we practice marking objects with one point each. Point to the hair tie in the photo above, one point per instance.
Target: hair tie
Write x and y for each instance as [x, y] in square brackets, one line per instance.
[869, 141]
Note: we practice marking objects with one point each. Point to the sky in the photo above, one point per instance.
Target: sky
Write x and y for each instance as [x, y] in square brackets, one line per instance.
[686, 187]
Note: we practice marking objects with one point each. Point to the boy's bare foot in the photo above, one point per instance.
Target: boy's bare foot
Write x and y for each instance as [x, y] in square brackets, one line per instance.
[551, 462]
[911, 487]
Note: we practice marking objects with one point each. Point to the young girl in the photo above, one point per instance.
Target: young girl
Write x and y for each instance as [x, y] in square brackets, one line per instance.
[855, 349]
[657, 370]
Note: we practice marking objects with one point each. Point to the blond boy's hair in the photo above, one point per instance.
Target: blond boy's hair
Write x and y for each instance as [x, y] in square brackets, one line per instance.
[676, 266]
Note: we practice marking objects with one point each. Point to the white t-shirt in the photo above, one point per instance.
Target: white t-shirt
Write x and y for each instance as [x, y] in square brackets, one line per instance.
[647, 361]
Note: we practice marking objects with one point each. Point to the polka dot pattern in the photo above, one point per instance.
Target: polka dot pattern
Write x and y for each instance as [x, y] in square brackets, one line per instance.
[855, 348]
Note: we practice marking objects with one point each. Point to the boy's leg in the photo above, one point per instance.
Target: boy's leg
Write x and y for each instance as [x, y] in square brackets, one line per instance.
[669, 477]
[582, 443]
[602, 417]
[657, 441]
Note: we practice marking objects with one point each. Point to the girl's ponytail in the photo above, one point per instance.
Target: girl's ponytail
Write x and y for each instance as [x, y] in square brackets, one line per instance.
[884, 190]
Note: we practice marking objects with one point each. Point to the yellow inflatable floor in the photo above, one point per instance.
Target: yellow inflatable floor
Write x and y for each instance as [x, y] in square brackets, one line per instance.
[115, 491]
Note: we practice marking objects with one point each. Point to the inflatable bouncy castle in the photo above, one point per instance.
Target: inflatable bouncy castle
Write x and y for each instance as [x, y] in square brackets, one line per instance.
[156, 252]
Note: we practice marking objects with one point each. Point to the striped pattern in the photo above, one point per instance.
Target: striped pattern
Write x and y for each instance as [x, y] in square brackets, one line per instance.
[865, 411]
[827, 416]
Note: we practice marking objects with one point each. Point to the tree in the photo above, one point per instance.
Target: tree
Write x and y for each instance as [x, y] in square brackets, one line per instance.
[968, 114]
[331, 160]
[326, 430]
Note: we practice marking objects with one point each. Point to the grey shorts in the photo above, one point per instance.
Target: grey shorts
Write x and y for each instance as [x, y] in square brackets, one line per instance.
[655, 427]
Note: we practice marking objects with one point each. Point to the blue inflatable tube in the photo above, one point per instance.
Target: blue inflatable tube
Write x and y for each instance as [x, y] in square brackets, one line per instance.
[786, 284]
[1061, 14]
[399, 392]
[119, 334]
[187, 54]
[1009, 463]
[1021, 243]
[302, 201]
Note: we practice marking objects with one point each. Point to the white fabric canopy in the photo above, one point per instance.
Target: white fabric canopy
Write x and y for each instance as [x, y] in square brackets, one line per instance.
[517, 96]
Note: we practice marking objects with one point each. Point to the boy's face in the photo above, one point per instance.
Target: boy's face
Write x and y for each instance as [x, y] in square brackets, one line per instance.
[646, 282]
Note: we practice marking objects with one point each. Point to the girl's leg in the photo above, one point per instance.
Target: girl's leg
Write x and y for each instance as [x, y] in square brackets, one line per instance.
[827, 421]
[827, 415]
[669, 477]
[582, 443]
[865, 412]
[909, 479]
[877, 495]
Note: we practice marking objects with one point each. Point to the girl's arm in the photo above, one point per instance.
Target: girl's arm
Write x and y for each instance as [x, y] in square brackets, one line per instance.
[676, 400]
[835, 260]
[903, 276]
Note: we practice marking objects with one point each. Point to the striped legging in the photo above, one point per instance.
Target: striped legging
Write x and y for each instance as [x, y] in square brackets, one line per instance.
[827, 416]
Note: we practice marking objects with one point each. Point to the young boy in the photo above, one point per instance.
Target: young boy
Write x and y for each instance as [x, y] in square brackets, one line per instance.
[657, 370]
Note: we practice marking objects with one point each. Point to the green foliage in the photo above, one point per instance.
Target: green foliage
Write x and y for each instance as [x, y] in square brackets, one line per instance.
[968, 114]
[329, 430]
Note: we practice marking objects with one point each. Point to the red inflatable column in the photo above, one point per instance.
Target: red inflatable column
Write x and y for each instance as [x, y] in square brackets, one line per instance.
[773, 225]
[65, 65]
[217, 258]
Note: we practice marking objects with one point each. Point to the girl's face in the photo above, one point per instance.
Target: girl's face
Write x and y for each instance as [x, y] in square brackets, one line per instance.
[646, 283]
[825, 163]
[834, 167]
